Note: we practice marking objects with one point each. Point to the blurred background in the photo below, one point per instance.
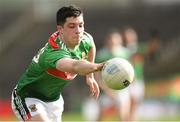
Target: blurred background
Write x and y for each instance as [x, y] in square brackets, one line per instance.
[25, 26]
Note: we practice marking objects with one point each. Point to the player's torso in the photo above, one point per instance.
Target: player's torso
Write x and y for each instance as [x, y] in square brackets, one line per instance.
[41, 79]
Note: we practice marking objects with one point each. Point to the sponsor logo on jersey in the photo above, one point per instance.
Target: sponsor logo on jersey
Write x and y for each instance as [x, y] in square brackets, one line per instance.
[83, 54]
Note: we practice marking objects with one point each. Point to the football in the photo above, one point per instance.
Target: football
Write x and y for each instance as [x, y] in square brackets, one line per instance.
[117, 73]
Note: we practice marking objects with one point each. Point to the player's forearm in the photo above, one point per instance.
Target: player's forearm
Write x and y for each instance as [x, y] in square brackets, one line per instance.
[84, 67]
[91, 58]
[101, 83]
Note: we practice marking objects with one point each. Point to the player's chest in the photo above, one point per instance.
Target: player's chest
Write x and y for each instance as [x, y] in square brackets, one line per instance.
[80, 52]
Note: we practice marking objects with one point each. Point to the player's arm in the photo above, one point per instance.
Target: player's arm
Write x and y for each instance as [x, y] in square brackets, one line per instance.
[81, 67]
[90, 77]
[103, 86]
[109, 92]
[91, 57]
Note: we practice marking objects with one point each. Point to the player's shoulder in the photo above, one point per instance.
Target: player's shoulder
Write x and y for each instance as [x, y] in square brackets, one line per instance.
[55, 43]
[87, 36]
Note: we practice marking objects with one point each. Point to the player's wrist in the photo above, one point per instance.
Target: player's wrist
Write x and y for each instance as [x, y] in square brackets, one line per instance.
[99, 66]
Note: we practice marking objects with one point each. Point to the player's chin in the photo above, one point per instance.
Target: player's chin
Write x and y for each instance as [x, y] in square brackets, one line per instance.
[77, 41]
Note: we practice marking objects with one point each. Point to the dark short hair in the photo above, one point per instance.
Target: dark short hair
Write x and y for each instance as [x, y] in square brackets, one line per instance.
[67, 11]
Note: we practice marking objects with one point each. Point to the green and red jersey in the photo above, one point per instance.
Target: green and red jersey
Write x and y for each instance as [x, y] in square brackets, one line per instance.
[42, 80]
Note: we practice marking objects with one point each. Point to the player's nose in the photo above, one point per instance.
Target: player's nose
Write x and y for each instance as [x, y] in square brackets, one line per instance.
[78, 30]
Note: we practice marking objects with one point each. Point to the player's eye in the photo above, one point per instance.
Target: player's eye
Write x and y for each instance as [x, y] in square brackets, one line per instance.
[72, 26]
[81, 25]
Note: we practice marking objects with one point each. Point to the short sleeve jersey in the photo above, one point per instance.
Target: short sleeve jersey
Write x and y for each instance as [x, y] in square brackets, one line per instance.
[42, 80]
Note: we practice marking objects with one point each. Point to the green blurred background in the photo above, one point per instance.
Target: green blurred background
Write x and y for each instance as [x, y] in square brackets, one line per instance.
[26, 25]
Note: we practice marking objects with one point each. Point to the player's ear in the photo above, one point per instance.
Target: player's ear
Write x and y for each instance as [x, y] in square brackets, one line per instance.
[60, 29]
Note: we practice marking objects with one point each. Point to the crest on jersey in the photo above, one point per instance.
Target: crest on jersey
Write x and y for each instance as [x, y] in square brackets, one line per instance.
[33, 108]
[83, 54]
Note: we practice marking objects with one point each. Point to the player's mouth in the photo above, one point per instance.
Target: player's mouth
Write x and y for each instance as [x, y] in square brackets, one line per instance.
[78, 37]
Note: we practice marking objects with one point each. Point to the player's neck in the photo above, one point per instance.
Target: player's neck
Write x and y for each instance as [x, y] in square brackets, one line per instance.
[71, 47]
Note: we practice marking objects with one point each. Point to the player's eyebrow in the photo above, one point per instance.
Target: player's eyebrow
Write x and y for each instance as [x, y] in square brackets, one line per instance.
[73, 23]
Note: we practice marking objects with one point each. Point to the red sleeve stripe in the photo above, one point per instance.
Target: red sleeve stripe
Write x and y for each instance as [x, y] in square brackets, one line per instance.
[62, 75]
[52, 40]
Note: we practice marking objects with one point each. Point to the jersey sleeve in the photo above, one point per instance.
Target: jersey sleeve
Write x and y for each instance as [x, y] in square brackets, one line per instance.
[102, 55]
[88, 41]
[99, 57]
[48, 59]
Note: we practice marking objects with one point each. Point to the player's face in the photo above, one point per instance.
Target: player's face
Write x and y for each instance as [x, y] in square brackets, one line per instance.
[72, 31]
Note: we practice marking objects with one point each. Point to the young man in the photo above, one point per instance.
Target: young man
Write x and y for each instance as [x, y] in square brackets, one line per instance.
[37, 96]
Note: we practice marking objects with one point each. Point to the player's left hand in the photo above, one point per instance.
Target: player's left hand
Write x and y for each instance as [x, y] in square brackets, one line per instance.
[94, 88]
